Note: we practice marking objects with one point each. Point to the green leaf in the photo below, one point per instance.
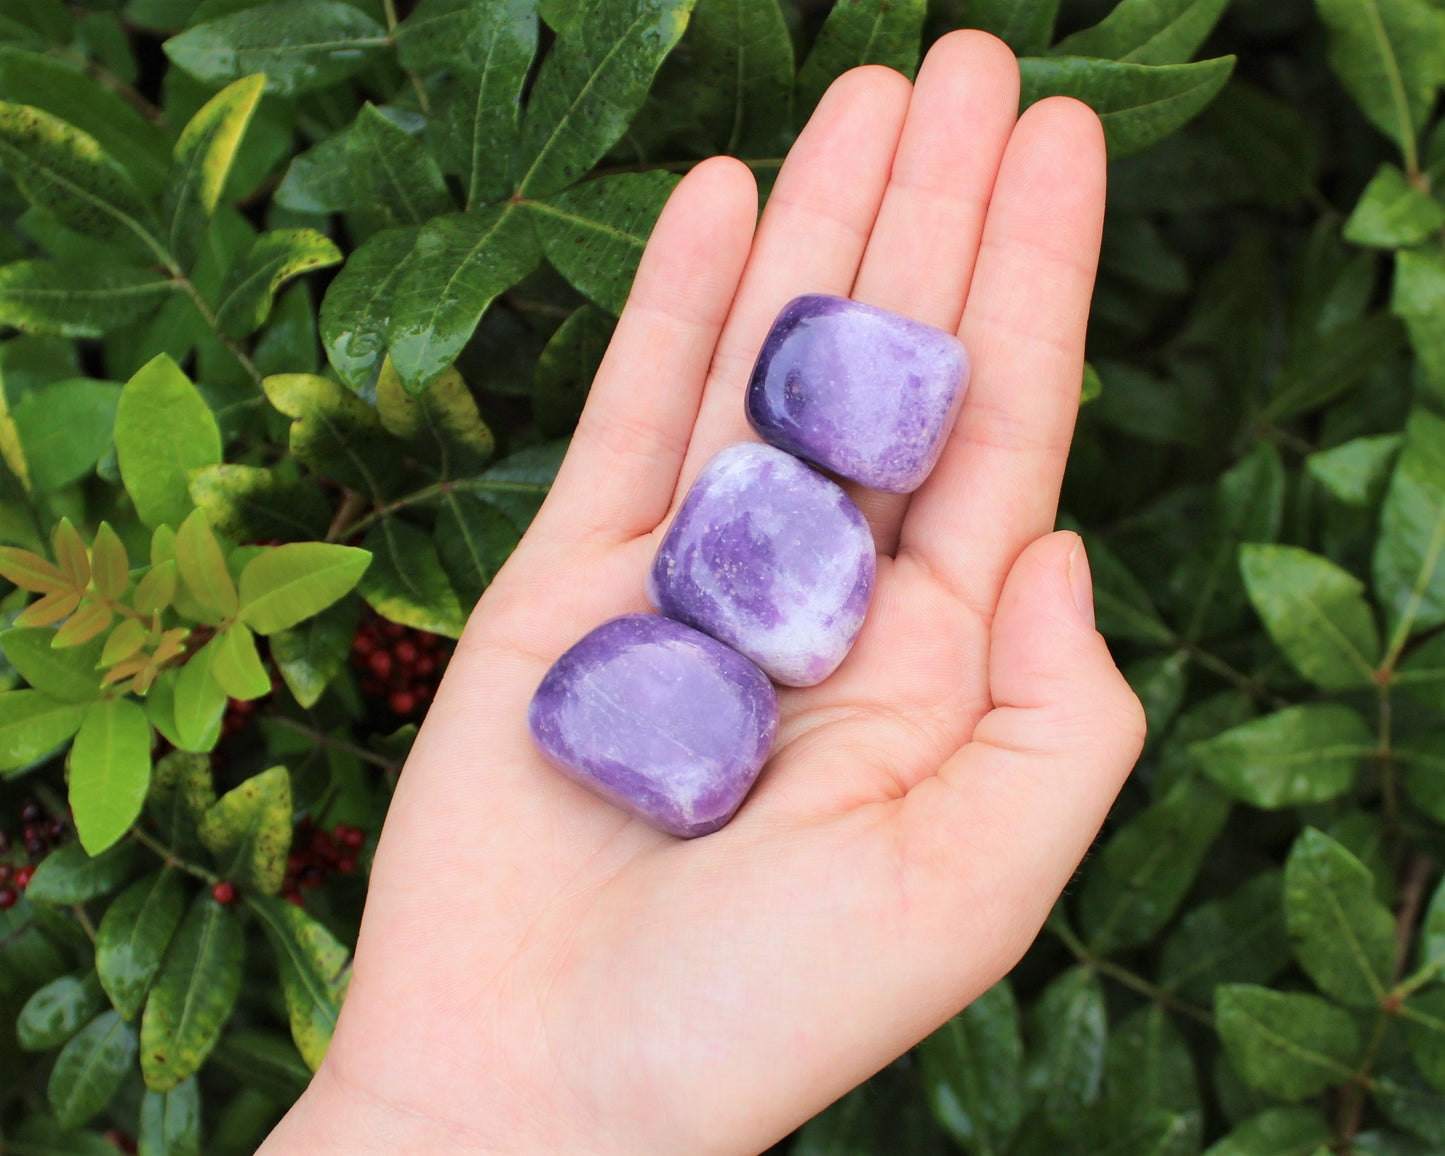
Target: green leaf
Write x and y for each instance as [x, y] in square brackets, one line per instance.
[1356, 472]
[265, 1060]
[1238, 939]
[251, 503]
[288, 584]
[590, 86]
[311, 656]
[1122, 606]
[32, 724]
[68, 674]
[1276, 1132]
[519, 484]
[565, 370]
[170, 1122]
[203, 158]
[314, 973]
[1423, 1020]
[458, 266]
[181, 792]
[1419, 301]
[237, 665]
[1315, 612]
[300, 45]
[1409, 580]
[742, 58]
[473, 539]
[972, 1071]
[406, 583]
[248, 830]
[1148, 1070]
[1147, 31]
[199, 702]
[441, 423]
[202, 566]
[69, 875]
[73, 301]
[1393, 213]
[1287, 1044]
[193, 995]
[1390, 56]
[133, 936]
[1299, 755]
[89, 1070]
[273, 259]
[55, 1012]
[886, 32]
[1409, 1103]
[110, 769]
[67, 173]
[1343, 937]
[335, 432]
[1065, 1071]
[356, 311]
[38, 1135]
[1136, 883]
[1026, 26]
[594, 234]
[317, 180]
[1268, 140]
[1325, 366]
[1139, 104]
[392, 174]
[163, 430]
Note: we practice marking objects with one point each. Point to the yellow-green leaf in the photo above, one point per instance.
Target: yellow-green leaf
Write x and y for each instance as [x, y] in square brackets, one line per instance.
[110, 769]
[238, 667]
[199, 702]
[88, 622]
[109, 563]
[203, 567]
[163, 430]
[67, 674]
[290, 583]
[123, 642]
[313, 970]
[248, 831]
[32, 725]
[133, 936]
[30, 571]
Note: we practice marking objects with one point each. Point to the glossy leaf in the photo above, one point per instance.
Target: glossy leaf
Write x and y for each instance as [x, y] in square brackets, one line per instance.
[743, 55]
[33, 725]
[1409, 580]
[1026, 26]
[1066, 1064]
[1301, 754]
[267, 1061]
[594, 234]
[300, 45]
[864, 32]
[70, 875]
[312, 655]
[1276, 1132]
[193, 996]
[441, 423]
[251, 503]
[314, 973]
[1316, 613]
[288, 584]
[55, 1012]
[1147, 31]
[1138, 104]
[459, 264]
[170, 1122]
[972, 1071]
[273, 259]
[1419, 301]
[518, 484]
[392, 174]
[1393, 213]
[406, 583]
[1149, 1072]
[1356, 472]
[163, 429]
[90, 1068]
[1238, 939]
[1287, 1044]
[356, 312]
[133, 936]
[248, 831]
[335, 432]
[1132, 888]
[67, 674]
[204, 155]
[110, 768]
[473, 540]
[68, 301]
[317, 180]
[590, 86]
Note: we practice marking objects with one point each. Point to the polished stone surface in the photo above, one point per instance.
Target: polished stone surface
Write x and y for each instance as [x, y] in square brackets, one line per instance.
[860, 391]
[770, 557]
[659, 719]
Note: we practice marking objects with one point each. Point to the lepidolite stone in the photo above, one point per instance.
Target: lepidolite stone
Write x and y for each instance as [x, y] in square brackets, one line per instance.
[863, 392]
[769, 556]
[659, 719]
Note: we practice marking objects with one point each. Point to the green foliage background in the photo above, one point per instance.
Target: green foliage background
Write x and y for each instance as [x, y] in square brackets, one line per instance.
[301, 300]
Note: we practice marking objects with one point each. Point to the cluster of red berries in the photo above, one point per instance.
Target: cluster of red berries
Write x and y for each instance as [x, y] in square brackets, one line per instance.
[39, 833]
[397, 663]
[316, 855]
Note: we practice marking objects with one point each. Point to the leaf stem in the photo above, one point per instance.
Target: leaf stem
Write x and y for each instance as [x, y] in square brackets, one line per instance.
[1122, 975]
[1232, 674]
[189, 289]
[82, 917]
[389, 8]
[170, 858]
[126, 92]
[321, 739]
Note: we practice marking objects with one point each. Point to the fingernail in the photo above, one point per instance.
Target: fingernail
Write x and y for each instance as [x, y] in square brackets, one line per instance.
[1081, 581]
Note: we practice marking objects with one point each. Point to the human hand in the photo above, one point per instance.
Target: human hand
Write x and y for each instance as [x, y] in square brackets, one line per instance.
[539, 973]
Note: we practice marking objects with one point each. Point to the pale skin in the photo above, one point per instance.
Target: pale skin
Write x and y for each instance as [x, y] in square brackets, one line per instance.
[538, 973]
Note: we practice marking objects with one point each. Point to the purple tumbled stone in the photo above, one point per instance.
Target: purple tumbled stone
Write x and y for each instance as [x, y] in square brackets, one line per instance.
[659, 719]
[863, 392]
[769, 556]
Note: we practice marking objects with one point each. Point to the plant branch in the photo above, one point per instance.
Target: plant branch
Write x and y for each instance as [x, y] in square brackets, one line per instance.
[170, 858]
[126, 92]
[1132, 980]
[321, 739]
[389, 8]
[187, 286]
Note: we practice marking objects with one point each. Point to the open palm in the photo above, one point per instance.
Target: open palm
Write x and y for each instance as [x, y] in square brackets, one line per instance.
[539, 973]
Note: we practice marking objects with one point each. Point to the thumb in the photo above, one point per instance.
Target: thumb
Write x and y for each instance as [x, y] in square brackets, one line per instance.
[1008, 818]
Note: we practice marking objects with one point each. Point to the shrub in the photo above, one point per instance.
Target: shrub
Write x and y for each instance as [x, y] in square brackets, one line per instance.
[240, 526]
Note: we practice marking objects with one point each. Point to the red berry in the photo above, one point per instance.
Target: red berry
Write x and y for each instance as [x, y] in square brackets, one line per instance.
[8, 898]
[4, 842]
[401, 701]
[30, 811]
[346, 866]
[311, 877]
[362, 645]
[54, 828]
[379, 664]
[393, 630]
[425, 691]
[224, 892]
[405, 651]
[425, 666]
[295, 897]
[36, 846]
[6, 870]
[23, 876]
[354, 838]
